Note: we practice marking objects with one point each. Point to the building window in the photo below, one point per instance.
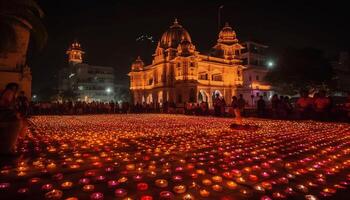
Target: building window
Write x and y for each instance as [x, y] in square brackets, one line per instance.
[238, 73]
[250, 78]
[217, 77]
[150, 81]
[203, 76]
[192, 64]
[257, 77]
[191, 73]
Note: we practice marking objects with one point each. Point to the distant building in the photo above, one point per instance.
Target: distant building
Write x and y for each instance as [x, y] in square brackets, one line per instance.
[86, 82]
[179, 73]
[256, 67]
[341, 69]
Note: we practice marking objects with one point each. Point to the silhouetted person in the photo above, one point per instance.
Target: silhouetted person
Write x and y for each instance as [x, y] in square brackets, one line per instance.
[321, 105]
[236, 111]
[241, 103]
[261, 106]
[23, 104]
[217, 105]
[274, 105]
[304, 105]
[10, 119]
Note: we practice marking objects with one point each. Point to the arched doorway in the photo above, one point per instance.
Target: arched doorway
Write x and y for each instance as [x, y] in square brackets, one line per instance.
[202, 96]
[149, 99]
[160, 97]
[215, 94]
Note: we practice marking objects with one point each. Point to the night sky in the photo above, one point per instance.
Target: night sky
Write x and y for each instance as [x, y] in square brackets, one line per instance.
[108, 29]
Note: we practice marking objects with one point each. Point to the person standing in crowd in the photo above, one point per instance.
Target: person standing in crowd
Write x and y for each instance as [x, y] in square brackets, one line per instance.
[236, 111]
[281, 108]
[222, 106]
[261, 106]
[217, 105]
[274, 105]
[287, 106]
[304, 105]
[321, 105]
[23, 104]
[241, 104]
[10, 120]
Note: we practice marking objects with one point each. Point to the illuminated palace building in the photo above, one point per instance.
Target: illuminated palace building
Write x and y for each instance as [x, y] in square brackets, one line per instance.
[85, 82]
[179, 73]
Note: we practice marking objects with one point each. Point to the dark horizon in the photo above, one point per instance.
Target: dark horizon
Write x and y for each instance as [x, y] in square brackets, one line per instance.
[108, 30]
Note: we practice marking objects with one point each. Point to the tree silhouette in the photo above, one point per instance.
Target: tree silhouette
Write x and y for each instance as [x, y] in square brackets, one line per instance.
[298, 69]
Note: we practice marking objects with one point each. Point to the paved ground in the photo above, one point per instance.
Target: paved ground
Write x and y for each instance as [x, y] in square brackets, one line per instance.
[178, 157]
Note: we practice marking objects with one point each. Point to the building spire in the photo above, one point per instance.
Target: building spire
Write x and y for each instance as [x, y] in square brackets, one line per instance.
[175, 21]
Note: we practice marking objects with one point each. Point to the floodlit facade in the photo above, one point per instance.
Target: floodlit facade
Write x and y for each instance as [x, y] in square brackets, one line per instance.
[87, 82]
[179, 73]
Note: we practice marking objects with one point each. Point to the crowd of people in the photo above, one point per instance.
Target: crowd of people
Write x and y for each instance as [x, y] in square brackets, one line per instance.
[77, 108]
[318, 107]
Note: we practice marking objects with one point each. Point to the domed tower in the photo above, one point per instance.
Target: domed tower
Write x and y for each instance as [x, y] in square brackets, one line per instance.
[170, 40]
[227, 35]
[137, 65]
[75, 53]
[227, 46]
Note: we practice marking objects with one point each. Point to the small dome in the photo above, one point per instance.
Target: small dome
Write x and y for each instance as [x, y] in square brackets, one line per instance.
[75, 46]
[138, 64]
[173, 36]
[227, 35]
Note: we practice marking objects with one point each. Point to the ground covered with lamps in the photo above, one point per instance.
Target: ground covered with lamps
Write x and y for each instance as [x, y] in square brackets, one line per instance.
[151, 156]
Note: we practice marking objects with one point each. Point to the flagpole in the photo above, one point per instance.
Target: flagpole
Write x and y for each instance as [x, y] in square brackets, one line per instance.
[219, 17]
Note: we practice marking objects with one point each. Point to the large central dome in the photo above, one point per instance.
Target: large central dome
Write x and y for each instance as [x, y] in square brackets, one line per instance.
[173, 36]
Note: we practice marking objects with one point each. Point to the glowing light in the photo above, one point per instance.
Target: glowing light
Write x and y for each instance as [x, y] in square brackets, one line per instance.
[108, 90]
[270, 64]
[179, 157]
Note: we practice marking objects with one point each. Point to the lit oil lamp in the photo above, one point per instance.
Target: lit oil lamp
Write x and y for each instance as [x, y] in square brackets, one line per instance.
[204, 193]
[217, 188]
[162, 183]
[120, 192]
[142, 186]
[188, 197]
[96, 196]
[54, 194]
[231, 185]
[67, 185]
[179, 189]
[47, 187]
[166, 195]
[88, 188]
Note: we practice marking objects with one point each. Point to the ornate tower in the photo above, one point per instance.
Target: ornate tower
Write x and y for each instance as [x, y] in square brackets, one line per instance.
[137, 65]
[227, 46]
[75, 53]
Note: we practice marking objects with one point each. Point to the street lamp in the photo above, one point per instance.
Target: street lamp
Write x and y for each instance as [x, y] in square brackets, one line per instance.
[108, 90]
[270, 64]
